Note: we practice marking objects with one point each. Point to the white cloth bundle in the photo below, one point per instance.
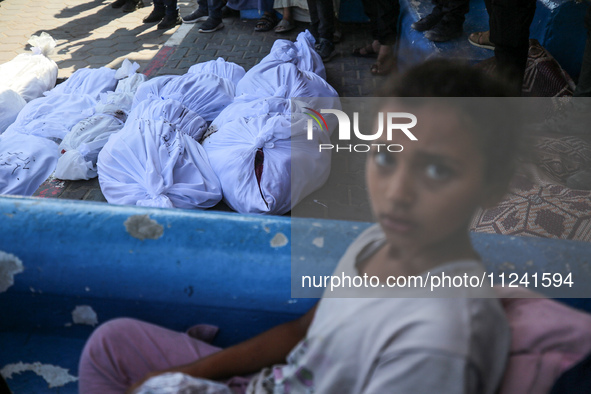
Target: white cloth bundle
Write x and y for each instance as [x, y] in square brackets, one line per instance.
[292, 166]
[81, 146]
[155, 160]
[11, 103]
[221, 68]
[53, 116]
[31, 74]
[301, 53]
[205, 94]
[287, 81]
[25, 162]
[242, 108]
[90, 81]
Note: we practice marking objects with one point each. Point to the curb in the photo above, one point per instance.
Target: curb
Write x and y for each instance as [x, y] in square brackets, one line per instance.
[169, 47]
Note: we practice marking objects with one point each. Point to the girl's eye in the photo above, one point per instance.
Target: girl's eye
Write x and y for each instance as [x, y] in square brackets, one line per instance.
[438, 172]
[384, 159]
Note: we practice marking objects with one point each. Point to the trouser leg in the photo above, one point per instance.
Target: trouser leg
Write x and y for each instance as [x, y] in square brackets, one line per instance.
[122, 351]
[215, 9]
[509, 22]
[383, 15]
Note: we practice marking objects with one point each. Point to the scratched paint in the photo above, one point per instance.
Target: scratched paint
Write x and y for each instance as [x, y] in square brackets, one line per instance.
[10, 265]
[142, 227]
[54, 376]
[84, 314]
[318, 242]
[279, 240]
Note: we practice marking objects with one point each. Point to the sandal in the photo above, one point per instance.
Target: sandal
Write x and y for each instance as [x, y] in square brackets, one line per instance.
[481, 39]
[284, 26]
[366, 51]
[266, 22]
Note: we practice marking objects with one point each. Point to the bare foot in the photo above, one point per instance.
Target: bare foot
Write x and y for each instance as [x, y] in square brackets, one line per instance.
[386, 62]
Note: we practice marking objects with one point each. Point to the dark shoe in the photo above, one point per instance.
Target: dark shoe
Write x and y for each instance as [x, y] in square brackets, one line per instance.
[154, 16]
[211, 25]
[428, 22]
[444, 31]
[325, 49]
[169, 21]
[196, 16]
[132, 5]
[118, 3]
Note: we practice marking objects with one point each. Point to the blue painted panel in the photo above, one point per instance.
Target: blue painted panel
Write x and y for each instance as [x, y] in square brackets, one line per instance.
[220, 268]
[559, 26]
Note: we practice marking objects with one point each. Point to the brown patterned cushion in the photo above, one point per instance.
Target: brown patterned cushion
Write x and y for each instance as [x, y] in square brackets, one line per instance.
[539, 210]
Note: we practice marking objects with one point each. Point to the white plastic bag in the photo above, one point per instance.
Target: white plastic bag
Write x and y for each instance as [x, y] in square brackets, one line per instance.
[129, 78]
[90, 81]
[31, 74]
[205, 94]
[25, 162]
[11, 103]
[155, 160]
[221, 68]
[301, 53]
[290, 165]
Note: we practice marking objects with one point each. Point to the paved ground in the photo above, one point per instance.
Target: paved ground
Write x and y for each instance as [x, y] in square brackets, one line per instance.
[88, 33]
[92, 34]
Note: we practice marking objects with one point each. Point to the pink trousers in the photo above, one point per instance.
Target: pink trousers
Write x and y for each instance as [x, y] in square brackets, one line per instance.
[122, 351]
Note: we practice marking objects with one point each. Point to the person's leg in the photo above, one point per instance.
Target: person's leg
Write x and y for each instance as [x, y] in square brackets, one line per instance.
[314, 18]
[214, 21]
[157, 13]
[131, 5]
[383, 16]
[452, 20]
[269, 19]
[122, 351]
[286, 24]
[322, 27]
[199, 15]
[325, 10]
[215, 9]
[509, 22]
[429, 21]
[584, 85]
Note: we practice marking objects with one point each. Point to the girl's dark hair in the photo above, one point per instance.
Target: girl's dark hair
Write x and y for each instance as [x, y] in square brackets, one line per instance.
[482, 100]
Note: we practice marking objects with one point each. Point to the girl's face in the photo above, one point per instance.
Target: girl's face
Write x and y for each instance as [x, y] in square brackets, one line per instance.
[424, 197]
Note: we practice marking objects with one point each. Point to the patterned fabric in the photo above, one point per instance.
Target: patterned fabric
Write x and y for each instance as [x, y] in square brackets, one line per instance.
[540, 210]
[543, 75]
[562, 157]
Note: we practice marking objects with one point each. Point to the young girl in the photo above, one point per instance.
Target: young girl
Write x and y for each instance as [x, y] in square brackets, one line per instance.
[423, 199]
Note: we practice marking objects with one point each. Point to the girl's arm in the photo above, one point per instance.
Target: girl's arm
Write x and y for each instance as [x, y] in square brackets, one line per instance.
[270, 347]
